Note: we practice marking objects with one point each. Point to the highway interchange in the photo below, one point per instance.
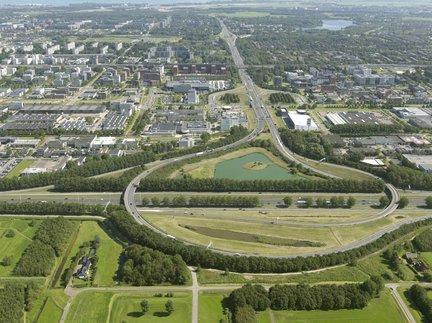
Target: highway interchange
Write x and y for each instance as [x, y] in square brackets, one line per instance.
[264, 118]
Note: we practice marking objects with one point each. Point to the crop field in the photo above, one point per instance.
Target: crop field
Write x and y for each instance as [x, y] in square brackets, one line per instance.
[126, 308]
[108, 252]
[382, 309]
[14, 246]
[250, 163]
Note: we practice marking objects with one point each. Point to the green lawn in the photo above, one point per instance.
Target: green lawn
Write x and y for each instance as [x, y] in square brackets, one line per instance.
[108, 252]
[90, 307]
[16, 245]
[48, 308]
[18, 169]
[382, 309]
[126, 308]
[210, 308]
[427, 258]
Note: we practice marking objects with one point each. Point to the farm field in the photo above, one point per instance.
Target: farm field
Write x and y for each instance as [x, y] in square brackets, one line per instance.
[15, 246]
[126, 308]
[108, 253]
[382, 309]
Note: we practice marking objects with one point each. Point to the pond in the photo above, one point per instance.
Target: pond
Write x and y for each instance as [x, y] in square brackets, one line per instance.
[252, 166]
[333, 25]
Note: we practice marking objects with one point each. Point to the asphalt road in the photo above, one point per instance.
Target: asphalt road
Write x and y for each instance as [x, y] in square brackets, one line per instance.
[263, 117]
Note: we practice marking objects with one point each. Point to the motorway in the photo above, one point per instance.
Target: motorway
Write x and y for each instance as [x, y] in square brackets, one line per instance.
[264, 118]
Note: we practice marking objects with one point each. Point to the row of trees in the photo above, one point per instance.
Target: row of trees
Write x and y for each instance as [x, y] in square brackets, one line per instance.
[367, 129]
[204, 201]
[169, 307]
[281, 98]
[333, 202]
[98, 184]
[306, 143]
[16, 297]
[199, 256]
[94, 166]
[49, 242]
[144, 266]
[51, 208]
[421, 300]
[305, 297]
[226, 185]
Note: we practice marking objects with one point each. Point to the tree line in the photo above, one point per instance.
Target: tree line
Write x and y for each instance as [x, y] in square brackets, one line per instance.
[147, 267]
[367, 129]
[204, 201]
[200, 256]
[94, 166]
[421, 300]
[226, 185]
[99, 184]
[15, 297]
[302, 297]
[49, 242]
[51, 208]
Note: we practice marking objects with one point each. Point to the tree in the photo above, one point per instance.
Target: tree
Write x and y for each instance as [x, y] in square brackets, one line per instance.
[144, 306]
[351, 201]
[145, 201]
[287, 201]
[155, 201]
[205, 137]
[308, 202]
[10, 234]
[383, 201]
[7, 261]
[428, 202]
[403, 202]
[169, 307]
[245, 314]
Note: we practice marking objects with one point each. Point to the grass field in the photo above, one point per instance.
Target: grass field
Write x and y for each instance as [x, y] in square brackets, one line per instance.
[126, 308]
[210, 308]
[330, 236]
[18, 169]
[48, 308]
[340, 274]
[427, 258]
[108, 252]
[252, 166]
[382, 309]
[16, 245]
[90, 307]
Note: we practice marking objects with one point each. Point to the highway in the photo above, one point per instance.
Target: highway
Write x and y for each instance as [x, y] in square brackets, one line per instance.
[264, 118]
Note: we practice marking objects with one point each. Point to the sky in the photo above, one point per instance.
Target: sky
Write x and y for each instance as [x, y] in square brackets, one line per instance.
[66, 2]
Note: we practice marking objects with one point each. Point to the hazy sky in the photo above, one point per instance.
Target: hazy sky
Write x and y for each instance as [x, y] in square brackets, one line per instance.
[66, 2]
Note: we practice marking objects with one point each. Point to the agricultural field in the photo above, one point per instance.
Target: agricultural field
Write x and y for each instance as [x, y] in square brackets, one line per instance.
[382, 309]
[108, 253]
[126, 308]
[13, 247]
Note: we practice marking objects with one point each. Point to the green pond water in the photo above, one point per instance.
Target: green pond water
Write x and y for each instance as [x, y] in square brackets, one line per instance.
[238, 169]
